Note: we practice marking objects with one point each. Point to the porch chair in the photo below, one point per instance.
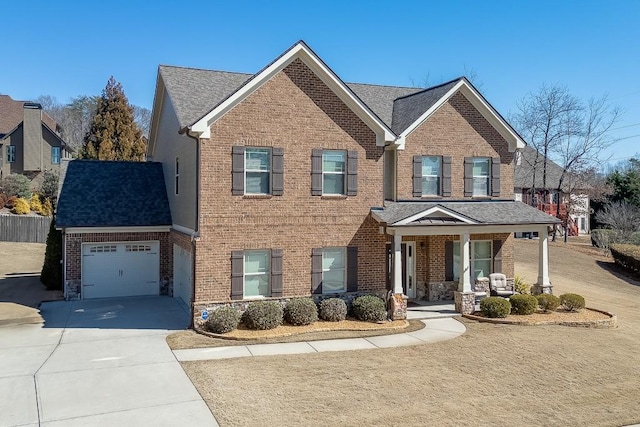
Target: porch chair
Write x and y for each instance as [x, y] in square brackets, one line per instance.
[499, 287]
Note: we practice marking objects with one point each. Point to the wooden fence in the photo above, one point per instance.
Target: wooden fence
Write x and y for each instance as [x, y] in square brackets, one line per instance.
[14, 228]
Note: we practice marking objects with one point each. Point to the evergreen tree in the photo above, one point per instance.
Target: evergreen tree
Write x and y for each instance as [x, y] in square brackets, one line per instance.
[51, 275]
[113, 134]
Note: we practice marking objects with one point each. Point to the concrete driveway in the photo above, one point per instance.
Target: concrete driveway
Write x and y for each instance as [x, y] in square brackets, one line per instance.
[98, 362]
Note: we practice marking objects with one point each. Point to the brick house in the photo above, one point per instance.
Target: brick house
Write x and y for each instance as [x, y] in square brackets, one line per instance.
[290, 182]
[30, 140]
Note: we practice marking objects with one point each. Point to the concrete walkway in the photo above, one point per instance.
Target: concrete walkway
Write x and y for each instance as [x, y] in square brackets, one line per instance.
[439, 329]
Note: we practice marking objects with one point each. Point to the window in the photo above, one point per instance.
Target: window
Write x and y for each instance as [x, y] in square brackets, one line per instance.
[257, 269]
[55, 155]
[481, 259]
[431, 169]
[481, 176]
[177, 176]
[137, 248]
[103, 249]
[334, 168]
[11, 153]
[257, 170]
[333, 270]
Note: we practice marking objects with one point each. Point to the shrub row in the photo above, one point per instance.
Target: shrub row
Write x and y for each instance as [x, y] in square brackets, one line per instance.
[528, 304]
[627, 256]
[264, 315]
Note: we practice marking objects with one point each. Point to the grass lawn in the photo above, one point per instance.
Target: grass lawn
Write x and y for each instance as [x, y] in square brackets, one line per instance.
[499, 375]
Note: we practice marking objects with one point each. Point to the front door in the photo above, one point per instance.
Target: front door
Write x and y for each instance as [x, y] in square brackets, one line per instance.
[408, 251]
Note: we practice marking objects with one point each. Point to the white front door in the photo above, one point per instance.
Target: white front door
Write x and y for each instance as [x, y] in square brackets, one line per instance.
[409, 269]
[182, 274]
[115, 269]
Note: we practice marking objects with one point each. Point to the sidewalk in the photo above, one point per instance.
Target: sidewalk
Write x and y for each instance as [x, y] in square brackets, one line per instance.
[435, 330]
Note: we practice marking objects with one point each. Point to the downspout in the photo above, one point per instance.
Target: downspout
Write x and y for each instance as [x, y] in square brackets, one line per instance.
[195, 237]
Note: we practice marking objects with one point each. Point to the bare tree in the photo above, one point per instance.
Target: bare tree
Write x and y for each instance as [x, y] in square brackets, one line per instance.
[142, 117]
[620, 216]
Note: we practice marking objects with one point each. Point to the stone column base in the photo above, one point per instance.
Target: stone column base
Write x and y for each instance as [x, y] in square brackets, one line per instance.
[398, 307]
[465, 302]
[541, 289]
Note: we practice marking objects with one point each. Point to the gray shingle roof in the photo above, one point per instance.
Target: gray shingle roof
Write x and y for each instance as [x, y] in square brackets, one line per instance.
[408, 109]
[113, 194]
[533, 161]
[495, 212]
[380, 98]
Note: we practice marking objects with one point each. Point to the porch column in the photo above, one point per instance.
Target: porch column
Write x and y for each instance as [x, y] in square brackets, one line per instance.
[543, 285]
[465, 265]
[397, 264]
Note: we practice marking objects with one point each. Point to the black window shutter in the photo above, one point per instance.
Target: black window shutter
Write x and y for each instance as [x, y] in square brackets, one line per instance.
[316, 172]
[497, 256]
[468, 176]
[448, 260]
[352, 173]
[417, 176]
[237, 274]
[352, 268]
[316, 271]
[237, 171]
[495, 176]
[277, 171]
[446, 176]
[276, 272]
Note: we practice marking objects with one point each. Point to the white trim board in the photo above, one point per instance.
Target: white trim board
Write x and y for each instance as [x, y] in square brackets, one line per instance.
[435, 210]
[89, 230]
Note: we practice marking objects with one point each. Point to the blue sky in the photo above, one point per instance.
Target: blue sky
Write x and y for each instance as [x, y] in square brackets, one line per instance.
[69, 48]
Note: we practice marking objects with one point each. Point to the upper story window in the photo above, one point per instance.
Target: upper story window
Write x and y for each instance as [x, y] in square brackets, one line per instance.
[11, 153]
[334, 171]
[431, 176]
[55, 155]
[481, 176]
[177, 176]
[431, 171]
[257, 170]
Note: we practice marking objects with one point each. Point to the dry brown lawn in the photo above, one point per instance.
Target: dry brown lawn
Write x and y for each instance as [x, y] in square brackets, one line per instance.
[498, 375]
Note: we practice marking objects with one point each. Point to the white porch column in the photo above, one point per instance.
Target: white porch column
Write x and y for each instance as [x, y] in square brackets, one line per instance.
[397, 264]
[543, 258]
[465, 265]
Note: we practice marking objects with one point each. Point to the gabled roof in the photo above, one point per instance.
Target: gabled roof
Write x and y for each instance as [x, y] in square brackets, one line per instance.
[113, 194]
[493, 212]
[12, 114]
[381, 98]
[532, 163]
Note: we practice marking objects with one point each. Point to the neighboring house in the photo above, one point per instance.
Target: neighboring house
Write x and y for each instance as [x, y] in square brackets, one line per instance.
[529, 187]
[30, 140]
[290, 182]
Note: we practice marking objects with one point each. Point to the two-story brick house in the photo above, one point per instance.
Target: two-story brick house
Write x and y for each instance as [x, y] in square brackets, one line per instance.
[30, 140]
[290, 182]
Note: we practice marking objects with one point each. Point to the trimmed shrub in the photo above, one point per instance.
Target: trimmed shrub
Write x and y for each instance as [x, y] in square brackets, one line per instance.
[523, 304]
[51, 275]
[626, 256]
[495, 307]
[49, 187]
[263, 315]
[572, 302]
[223, 320]
[301, 311]
[47, 208]
[21, 207]
[548, 302]
[520, 286]
[17, 185]
[34, 203]
[10, 202]
[603, 237]
[369, 308]
[333, 310]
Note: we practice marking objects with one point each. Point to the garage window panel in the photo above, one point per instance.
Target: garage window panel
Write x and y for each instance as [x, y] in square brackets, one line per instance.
[103, 249]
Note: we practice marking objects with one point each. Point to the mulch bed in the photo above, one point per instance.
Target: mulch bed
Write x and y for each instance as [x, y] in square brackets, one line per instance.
[589, 318]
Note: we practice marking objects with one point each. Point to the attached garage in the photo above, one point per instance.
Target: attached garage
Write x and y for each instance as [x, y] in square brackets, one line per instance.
[120, 269]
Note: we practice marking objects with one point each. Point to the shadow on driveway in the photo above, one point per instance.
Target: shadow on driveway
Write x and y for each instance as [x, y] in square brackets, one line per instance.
[25, 289]
[619, 272]
[155, 312]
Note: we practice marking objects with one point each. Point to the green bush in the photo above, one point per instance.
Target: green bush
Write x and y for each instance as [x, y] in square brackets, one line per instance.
[572, 302]
[301, 311]
[49, 187]
[626, 256]
[548, 302]
[333, 310]
[223, 320]
[263, 315]
[369, 308]
[523, 304]
[17, 185]
[495, 307]
[520, 286]
[21, 206]
[51, 274]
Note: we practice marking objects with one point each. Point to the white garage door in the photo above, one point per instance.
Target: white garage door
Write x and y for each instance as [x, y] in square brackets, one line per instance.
[182, 274]
[120, 269]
